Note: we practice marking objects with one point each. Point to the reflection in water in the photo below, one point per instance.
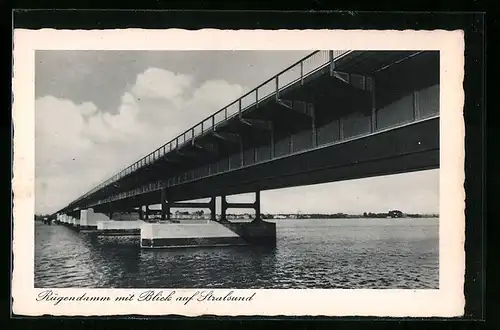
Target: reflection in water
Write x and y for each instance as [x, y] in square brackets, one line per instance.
[336, 253]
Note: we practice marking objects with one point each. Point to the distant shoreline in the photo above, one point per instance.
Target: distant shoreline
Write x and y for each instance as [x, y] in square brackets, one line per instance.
[292, 216]
[345, 216]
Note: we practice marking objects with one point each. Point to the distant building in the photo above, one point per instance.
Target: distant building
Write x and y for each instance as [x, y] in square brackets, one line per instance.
[395, 214]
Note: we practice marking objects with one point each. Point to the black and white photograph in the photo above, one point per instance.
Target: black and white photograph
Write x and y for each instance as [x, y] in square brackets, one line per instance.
[237, 169]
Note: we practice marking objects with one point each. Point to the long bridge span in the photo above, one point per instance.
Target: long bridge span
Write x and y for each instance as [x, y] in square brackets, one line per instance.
[333, 115]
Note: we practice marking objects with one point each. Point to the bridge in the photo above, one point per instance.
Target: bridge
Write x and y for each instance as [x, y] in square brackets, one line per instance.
[333, 115]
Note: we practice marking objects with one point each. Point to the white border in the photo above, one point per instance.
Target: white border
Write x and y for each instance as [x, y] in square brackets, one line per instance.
[447, 301]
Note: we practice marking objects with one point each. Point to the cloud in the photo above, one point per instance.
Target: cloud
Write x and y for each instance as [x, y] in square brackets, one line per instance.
[79, 145]
[159, 83]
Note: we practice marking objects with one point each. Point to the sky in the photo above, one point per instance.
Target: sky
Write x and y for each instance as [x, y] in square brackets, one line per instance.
[96, 112]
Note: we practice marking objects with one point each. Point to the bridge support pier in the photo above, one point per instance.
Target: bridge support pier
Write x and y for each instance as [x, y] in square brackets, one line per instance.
[110, 211]
[213, 215]
[64, 219]
[255, 205]
[89, 219]
[257, 232]
[165, 207]
[209, 233]
[75, 222]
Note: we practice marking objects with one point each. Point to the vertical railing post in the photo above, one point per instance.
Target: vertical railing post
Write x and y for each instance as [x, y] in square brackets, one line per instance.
[257, 97]
[301, 73]
[225, 113]
[277, 88]
[272, 140]
[242, 158]
[213, 122]
[239, 107]
[313, 120]
[416, 109]
[374, 106]
[341, 130]
[202, 127]
[332, 62]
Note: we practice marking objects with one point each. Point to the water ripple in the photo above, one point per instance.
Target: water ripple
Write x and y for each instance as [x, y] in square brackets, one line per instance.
[340, 253]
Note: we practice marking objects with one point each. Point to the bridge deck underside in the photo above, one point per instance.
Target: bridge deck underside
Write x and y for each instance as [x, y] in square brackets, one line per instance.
[316, 101]
[406, 149]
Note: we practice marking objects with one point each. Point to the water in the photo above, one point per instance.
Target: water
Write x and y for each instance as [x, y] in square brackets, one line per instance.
[312, 253]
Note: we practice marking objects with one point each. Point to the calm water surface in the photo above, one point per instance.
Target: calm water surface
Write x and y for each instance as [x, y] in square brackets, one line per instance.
[313, 253]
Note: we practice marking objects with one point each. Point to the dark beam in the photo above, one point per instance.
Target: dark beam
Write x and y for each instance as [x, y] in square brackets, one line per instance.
[260, 124]
[190, 205]
[228, 137]
[172, 160]
[347, 78]
[205, 147]
[241, 205]
[186, 153]
[293, 106]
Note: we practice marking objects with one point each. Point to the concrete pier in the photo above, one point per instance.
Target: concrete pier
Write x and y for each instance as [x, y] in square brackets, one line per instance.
[119, 228]
[89, 219]
[257, 232]
[173, 235]
[76, 223]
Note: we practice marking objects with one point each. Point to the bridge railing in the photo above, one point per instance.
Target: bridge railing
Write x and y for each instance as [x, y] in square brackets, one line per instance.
[271, 87]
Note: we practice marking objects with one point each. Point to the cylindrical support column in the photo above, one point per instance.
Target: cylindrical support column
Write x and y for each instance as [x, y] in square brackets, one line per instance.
[141, 213]
[212, 209]
[257, 205]
[110, 211]
[223, 208]
[146, 214]
[163, 204]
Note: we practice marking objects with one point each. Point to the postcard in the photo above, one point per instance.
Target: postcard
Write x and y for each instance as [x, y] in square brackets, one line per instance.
[238, 173]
